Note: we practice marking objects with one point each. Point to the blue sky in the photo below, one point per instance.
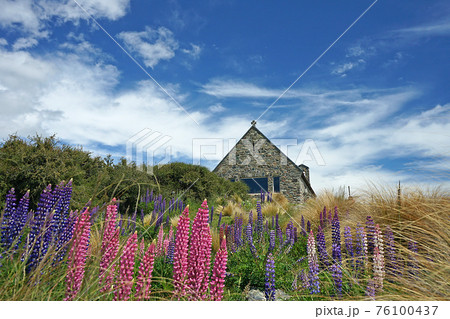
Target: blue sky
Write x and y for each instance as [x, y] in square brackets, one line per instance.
[374, 108]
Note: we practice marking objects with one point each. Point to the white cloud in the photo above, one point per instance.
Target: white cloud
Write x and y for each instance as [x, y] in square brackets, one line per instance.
[3, 42]
[153, 45]
[24, 43]
[344, 68]
[217, 108]
[194, 51]
[439, 28]
[30, 16]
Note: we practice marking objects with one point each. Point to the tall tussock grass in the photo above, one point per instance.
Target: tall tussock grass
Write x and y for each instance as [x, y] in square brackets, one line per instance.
[419, 219]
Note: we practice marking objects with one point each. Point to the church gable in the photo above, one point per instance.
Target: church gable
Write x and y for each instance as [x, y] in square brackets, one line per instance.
[261, 165]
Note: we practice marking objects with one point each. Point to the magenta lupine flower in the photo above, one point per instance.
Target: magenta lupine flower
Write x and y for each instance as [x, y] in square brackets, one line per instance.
[219, 272]
[160, 243]
[126, 270]
[207, 251]
[142, 248]
[314, 287]
[378, 260]
[200, 245]
[77, 255]
[144, 279]
[180, 258]
[109, 248]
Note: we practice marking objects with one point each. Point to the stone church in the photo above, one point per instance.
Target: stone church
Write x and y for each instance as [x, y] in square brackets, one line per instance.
[257, 162]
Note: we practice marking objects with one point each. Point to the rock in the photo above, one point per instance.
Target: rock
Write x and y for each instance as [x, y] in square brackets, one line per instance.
[255, 295]
[281, 295]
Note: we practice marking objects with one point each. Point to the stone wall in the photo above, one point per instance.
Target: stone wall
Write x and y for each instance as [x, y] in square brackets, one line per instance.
[255, 156]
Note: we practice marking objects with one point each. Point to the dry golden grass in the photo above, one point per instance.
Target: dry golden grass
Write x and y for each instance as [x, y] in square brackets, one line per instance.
[417, 215]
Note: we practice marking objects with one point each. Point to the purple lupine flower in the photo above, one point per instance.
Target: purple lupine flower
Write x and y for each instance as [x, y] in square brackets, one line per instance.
[249, 236]
[259, 221]
[277, 225]
[20, 219]
[303, 227]
[349, 247]
[391, 260]
[279, 235]
[272, 240]
[360, 250]
[336, 272]
[267, 227]
[142, 215]
[273, 222]
[211, 214]
[322, 249]
[308, 226]
[370, 290]
[220, 219]
[304, 279]
[314, 286]
[370, 233]
[336, 240]
[330, 218]
[412, 261]
[36, 243]
[250, 219]
[270, 278]
[8, 219]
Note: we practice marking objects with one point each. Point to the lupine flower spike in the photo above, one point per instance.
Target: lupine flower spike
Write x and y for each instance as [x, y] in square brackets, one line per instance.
[314, 286]
[270, 278]
[219, 272]
[144, 279]
[126, 270]
[180, 258]
[78, 255]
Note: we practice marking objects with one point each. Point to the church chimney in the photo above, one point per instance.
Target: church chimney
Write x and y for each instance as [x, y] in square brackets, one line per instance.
[305, 170]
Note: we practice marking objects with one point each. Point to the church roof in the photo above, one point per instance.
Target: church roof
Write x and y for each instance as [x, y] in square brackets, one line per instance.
[253, 127]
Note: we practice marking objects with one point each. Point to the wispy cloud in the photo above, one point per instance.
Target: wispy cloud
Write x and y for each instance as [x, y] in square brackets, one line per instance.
[439, 28]
[30, 17]
[153, 45]
[194, 51]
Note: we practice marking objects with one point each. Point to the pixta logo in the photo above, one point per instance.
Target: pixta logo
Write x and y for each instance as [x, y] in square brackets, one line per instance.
[148, 148]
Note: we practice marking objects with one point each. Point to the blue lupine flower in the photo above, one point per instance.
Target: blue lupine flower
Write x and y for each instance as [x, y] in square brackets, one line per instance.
[322, 249]
[270, 278]
[370, 233]
[349, 246]
[272, 240]
[336, 272]
[336, 238]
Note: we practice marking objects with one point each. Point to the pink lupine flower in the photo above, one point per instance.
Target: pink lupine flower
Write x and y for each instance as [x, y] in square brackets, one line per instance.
[219, 272]
[180, 258]
[378, 260]
[126, 270]
[167, 241]
[207, 251]
[200, 245]
[142, 248]
[77, 255]
[160, 242]
[144, 279]
[109, 248]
